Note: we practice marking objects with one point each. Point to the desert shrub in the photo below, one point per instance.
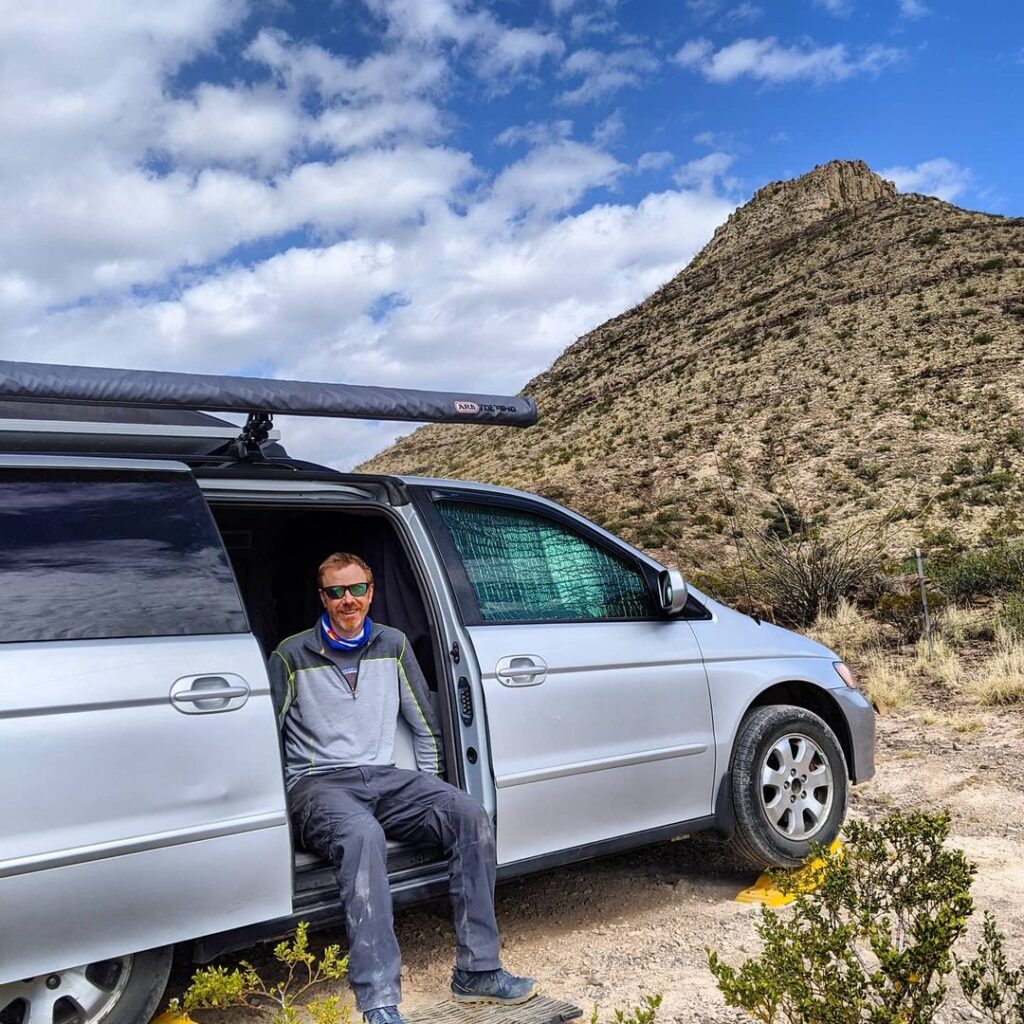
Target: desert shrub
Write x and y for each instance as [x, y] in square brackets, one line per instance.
[217, 987]
[1011, 616]
[992, 572]
[990, 985]
[800, 579]
[904, 613]
[872, 943]
[784, 520]
[645, 1012]
[939, 663]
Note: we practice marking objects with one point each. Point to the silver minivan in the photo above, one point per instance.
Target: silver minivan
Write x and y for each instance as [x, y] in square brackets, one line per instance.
[151, 557]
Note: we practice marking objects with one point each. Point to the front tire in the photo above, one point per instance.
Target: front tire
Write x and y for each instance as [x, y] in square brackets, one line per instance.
[789, 785]
[122, 990]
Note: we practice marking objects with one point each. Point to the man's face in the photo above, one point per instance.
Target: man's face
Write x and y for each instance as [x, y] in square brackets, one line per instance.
[347, 613]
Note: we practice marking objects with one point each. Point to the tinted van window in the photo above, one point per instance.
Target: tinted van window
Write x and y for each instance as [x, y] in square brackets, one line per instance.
[91, 554]
[527, 567]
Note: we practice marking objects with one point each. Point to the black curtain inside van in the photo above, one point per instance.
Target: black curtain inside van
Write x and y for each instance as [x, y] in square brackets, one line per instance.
[276, 552]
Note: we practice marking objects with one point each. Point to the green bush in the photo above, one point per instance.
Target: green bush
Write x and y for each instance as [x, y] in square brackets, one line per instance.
[872, 943]
[219, 988]
[903, 612]
[784, 520]
[993, 572]
[1011, 616]
[643, 1013]
[993, 988]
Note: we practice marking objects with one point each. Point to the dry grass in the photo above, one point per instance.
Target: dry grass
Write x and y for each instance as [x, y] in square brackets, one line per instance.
[1000, 679]
[886, 682]
[848, 632]
[891, 679]
[942, 664]
[957, 723]
[962, 625]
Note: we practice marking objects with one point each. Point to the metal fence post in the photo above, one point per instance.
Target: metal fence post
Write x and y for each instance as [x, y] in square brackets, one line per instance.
[924, 601]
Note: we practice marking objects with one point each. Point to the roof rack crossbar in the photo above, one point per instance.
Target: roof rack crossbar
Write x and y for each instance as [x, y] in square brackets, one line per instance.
[162, 389]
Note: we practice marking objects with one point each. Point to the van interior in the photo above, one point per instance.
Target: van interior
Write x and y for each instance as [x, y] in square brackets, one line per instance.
[275, 552]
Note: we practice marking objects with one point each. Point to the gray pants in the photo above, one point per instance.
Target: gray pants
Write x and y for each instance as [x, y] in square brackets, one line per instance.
[347, 816]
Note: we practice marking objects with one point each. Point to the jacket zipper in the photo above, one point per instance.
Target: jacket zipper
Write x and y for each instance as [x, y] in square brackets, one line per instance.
[341, 675]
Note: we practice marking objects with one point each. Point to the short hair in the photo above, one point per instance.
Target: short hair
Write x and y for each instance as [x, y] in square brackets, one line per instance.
[341, 559]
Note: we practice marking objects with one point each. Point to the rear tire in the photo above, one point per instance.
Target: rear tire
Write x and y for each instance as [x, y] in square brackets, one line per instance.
[122, 990]
[789, 785]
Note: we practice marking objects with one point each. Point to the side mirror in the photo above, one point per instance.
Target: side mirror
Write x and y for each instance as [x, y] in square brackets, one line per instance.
[671, 591]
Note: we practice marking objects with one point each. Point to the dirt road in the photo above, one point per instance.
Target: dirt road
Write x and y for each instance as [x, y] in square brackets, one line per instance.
[610, 931]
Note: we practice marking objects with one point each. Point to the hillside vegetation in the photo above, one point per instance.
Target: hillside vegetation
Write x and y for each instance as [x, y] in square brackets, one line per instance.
[839, 361]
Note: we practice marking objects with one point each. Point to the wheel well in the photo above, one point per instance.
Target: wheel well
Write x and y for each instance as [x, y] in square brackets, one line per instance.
[812, 698]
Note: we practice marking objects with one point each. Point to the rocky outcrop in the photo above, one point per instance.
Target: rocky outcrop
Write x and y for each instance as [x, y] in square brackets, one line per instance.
[784, 208]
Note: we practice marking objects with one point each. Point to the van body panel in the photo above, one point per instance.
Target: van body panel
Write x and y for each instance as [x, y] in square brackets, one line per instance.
[744, 658]
[86, 912]
[127, 823]
[617, 737]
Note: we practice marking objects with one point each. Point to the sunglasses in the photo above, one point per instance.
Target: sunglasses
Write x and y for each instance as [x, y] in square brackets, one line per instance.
[338, 592]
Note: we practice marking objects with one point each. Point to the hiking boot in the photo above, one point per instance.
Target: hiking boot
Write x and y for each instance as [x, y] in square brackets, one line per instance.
[383, 1015]
[491, 987]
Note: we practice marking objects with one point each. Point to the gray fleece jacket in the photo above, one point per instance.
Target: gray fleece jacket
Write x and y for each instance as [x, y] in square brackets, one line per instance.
[339, 709]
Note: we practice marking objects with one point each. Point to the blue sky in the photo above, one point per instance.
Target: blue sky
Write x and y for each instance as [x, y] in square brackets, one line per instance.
[441, 193]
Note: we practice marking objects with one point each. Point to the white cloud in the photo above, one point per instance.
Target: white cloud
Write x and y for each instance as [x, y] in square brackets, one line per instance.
[510, 50]
[500, 50]
[715, 140]
[605, 72]
[939, 177]
[693, 53]
[767, 61]
[549, 181]
[591, 25]
[75, 85]
[704, 172]
[233, 126]
[840, 8]
[654, 161]
[609, 130]
[535, 133]
[702, 10]
[913, 9]
[746, 12]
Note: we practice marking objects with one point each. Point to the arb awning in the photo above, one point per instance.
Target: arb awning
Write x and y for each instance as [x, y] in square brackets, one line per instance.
[161, 389]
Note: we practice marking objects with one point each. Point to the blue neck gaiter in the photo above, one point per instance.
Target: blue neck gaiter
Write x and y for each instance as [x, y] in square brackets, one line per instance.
[339, 643]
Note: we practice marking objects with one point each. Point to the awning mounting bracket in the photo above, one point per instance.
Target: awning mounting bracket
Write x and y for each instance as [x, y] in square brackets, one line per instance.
[249, 443]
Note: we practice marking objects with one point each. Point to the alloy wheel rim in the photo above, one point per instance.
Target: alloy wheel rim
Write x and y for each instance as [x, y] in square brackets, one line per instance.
[78, 995]
[796, 787]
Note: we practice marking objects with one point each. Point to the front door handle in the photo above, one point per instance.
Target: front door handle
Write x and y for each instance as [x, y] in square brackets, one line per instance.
[521, 670]
[195, 695]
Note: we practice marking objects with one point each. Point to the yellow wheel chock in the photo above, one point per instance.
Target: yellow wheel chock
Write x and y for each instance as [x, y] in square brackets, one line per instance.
[802, 879]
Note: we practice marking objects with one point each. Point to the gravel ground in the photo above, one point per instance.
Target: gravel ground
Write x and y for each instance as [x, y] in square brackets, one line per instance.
[610, 931]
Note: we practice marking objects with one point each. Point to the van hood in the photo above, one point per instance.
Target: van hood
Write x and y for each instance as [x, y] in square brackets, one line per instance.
[757, 640]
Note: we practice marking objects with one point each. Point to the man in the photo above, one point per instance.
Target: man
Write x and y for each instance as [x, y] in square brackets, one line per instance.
[338, 689]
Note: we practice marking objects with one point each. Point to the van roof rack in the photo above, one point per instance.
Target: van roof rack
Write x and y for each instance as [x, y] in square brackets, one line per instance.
[39, 385]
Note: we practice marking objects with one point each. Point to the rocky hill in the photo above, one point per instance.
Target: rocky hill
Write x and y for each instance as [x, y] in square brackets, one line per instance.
[838, 353]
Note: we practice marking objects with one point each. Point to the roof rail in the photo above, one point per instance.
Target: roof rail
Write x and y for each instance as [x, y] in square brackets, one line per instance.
[161, 389]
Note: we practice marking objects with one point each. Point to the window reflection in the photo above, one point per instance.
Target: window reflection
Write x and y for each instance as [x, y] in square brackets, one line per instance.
[96, 555]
